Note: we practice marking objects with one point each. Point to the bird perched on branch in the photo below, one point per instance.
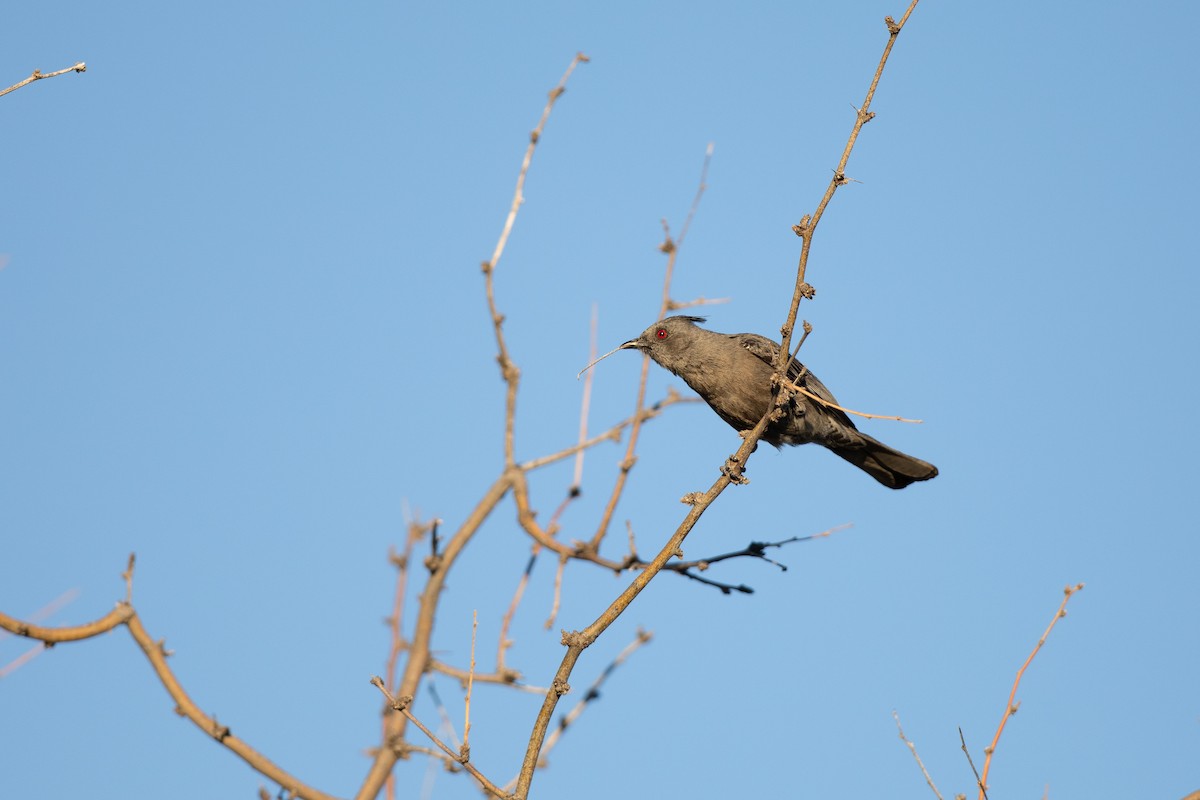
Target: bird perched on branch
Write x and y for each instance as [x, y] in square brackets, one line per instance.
[732, 372]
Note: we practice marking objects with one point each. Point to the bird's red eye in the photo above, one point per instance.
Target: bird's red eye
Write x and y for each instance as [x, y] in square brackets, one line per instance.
[661, 333]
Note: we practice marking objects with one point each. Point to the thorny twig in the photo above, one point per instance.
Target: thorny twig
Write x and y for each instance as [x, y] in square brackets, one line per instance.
[807, 226]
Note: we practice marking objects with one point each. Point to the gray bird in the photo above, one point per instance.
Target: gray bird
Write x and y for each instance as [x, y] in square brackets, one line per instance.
[732, 372]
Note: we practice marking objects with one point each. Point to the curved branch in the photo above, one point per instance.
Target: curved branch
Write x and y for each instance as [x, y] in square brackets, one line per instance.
[185, 707]
[124, 614]
[74, 633]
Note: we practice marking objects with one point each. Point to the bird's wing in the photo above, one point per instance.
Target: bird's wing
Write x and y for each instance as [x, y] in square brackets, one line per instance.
[766, 350]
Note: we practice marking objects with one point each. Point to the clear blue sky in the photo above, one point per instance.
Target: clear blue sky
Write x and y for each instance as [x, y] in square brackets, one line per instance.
[242, 327]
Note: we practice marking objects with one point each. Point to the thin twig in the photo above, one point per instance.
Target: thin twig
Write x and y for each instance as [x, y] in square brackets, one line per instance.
[127, 576]
[39, 75]
[671, 248]
[419, 647]
[971, 761]
[402, 703]
[913, 748]
[414, 531]
[755, 549]
[613, 433]
[807, 328]
[508, 677]
[807, 226]
[828, 404]
[43, 613]
[444, 715]
[465, 750]
[23, 659]
[726, 588]
[504, 642]
[528, 521]
[593, 693]
[1012, 706]
[687, 222]
[577, 480]
[48, 610]
[558, 582]
[678, 305]
[509, 370]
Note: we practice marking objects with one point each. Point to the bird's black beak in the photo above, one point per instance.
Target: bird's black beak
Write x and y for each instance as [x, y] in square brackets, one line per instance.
[632, 344]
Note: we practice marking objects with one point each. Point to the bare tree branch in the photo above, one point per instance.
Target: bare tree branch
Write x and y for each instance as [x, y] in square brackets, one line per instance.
[156, 653]
[1012, 706]
[39, 75]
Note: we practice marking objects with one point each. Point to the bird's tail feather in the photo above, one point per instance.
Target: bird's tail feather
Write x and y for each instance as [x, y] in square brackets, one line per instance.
[890, 467]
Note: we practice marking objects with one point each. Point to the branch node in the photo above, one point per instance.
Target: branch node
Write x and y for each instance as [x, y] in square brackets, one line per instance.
[400, 748]
[219, 732]
[575, 639]
[732, 469]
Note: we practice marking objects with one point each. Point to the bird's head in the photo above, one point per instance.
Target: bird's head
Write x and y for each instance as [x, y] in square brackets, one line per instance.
[665, 341]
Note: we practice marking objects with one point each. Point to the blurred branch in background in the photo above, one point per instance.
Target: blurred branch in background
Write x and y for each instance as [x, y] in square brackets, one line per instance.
[1012, 706]
[1010, 709]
